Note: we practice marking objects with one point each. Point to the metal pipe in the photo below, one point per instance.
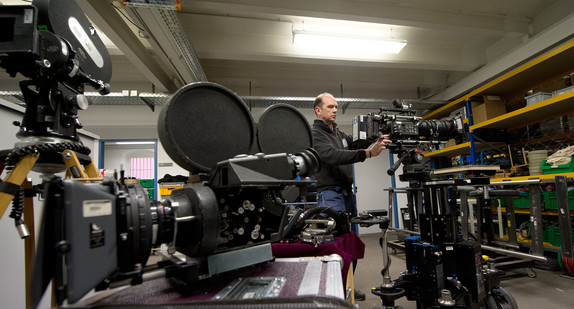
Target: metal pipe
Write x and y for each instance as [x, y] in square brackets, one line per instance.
[517, 254]
[519, 182]
[404, 230]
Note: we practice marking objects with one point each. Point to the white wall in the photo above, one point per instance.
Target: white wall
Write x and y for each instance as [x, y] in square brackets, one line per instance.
[371, 180]
[12, 293]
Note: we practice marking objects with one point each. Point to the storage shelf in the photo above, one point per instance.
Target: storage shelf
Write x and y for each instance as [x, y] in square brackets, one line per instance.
[460, 149]
[526, 211]
[550, 108]
[548, 65]
[535, 177]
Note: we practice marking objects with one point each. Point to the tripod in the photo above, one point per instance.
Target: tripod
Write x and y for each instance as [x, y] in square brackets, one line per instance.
[15, 188]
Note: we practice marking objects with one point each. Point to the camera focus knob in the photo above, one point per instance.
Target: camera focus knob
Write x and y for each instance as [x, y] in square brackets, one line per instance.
[80, 101]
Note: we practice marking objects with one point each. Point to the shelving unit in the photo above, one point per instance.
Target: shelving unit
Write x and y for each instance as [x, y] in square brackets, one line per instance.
[549, 66]
[554, 63]
[459, 149]
[535, 113]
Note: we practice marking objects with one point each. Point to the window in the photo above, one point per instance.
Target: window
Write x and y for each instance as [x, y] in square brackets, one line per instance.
[142, 168]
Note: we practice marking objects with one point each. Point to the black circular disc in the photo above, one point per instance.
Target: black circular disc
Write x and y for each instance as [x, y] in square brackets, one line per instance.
[283, 129]
[66, 19]
[204, 123]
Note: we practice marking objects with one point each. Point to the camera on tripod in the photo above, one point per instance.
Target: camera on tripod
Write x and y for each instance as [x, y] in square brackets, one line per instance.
[410, 135]
[56, 62]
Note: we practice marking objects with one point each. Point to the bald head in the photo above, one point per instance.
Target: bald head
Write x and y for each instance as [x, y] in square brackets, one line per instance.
[326, 108]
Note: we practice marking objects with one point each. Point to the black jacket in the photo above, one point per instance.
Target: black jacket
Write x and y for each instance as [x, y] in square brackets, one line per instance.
[337, 153]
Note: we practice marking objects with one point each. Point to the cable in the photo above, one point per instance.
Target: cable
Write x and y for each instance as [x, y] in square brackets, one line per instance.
[127, 18]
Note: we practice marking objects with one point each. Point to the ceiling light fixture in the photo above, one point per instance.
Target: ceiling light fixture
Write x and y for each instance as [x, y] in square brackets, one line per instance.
[347, 43]
[134, 143]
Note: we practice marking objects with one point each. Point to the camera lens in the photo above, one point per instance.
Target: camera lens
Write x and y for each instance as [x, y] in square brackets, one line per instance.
[438, 129]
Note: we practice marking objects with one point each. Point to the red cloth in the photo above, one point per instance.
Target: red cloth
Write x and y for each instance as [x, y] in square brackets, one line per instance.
[349, 246]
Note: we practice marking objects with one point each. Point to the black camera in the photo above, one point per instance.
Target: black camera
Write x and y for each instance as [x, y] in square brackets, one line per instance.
[410, 135]
[402, 126]
[55, 47]
[101, 234]
[223, 219]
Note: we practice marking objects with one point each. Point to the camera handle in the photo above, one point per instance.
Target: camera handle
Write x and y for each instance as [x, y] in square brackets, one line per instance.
[404, 156]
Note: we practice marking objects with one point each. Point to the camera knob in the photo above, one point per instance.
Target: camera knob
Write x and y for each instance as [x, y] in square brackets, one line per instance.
[63, 247]
[80, 101]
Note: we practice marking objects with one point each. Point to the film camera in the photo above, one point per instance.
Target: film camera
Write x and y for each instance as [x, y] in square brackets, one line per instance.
[101, 234]
[410, 135]
[55, 62]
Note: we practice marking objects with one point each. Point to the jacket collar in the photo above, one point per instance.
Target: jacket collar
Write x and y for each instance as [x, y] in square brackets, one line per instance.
[324, 126]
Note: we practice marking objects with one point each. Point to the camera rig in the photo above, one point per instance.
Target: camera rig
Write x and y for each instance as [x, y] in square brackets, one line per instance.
[444, 266]
[410, 135]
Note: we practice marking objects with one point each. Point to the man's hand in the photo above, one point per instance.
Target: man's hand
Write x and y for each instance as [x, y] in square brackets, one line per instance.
[378, 146]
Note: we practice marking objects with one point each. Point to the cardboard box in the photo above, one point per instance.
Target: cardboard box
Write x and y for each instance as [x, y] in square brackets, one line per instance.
[451, 142]
[492, 107]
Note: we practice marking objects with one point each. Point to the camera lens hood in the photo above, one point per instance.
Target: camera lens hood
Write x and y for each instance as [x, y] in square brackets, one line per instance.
[283, 129]
[204, 123]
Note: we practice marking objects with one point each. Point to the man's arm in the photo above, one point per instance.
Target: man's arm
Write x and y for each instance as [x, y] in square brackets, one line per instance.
[332, 155]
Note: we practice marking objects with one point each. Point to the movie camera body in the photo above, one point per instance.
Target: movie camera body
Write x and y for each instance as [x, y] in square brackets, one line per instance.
[210, 228]
[224, 219]
[410, 135]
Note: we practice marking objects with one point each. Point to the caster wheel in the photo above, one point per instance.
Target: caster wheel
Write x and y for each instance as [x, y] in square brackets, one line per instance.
[530, 272]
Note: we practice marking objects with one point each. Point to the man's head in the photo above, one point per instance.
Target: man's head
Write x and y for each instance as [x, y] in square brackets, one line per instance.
[326, 108]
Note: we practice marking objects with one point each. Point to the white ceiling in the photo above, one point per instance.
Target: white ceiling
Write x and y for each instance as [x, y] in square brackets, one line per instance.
[246, 45]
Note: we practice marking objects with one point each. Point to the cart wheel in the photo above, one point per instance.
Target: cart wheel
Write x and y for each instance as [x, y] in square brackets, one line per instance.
[530, 272]
[489, 302]
[499, 298]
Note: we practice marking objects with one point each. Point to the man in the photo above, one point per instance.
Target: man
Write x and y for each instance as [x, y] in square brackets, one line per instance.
[337, 153]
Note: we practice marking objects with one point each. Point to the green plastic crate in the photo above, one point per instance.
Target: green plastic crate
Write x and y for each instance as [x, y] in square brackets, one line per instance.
[556, 169]
[521, 201]
[551, 203]
[147, 183]
[553, 235]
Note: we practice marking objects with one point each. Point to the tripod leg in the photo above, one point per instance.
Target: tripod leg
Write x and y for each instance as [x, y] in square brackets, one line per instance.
[15, 179]
[29, 242]
[75, 169]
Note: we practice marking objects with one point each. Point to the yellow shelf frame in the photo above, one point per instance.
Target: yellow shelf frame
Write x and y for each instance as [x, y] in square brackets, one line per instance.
[534, 177]
[550, 108]
[548, 65]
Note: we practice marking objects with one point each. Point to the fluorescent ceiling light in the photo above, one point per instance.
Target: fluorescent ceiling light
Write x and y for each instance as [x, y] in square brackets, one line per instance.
[134, 143]
[347, 44]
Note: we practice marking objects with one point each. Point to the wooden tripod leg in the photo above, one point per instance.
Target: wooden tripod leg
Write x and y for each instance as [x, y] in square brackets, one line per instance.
[16, 178]
[75, 168]
[30, 242]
